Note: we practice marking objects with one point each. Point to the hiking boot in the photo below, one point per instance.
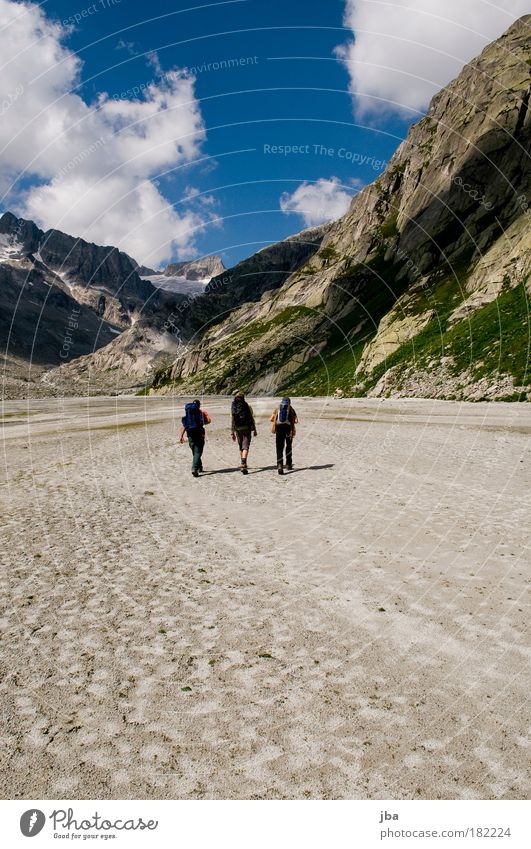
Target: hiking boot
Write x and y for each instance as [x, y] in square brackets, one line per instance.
[195, 474]
[280, 469]
[289, 467]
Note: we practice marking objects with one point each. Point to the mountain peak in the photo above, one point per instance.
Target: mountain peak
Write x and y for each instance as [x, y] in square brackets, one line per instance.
[196, 269]
[7, 222]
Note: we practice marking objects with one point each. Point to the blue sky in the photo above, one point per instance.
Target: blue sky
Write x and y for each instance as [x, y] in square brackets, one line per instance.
[279, 130]
[268, 100]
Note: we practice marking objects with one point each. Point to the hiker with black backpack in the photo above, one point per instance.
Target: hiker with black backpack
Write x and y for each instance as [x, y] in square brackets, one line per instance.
[193, 425]
[284, 420]
[243, 426]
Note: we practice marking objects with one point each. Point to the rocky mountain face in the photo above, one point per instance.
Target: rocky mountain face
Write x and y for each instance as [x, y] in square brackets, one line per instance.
[46, 276]
[196, 269]
[246, 282]
[75, 259]
[421, 288]
[76, 316]
[62, 298]
[185, 278]
[42, 321]
[50, 327]
[129, 361]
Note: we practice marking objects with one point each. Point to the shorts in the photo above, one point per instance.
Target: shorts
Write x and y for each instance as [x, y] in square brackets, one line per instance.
[244, 439]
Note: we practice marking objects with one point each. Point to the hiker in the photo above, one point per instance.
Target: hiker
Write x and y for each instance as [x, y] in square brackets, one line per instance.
[243, 426]
[193, 424]
[284, 420]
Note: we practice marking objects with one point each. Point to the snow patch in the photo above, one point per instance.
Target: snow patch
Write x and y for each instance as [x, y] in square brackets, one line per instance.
[10, 248]
[180, 285]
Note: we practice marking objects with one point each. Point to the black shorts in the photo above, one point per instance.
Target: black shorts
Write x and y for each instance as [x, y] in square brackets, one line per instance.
[244, 439]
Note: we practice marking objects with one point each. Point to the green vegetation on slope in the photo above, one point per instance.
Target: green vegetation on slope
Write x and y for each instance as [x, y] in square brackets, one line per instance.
[496, 338]
[239, 359]
[492, 341]
[377, 290]
[327, 371]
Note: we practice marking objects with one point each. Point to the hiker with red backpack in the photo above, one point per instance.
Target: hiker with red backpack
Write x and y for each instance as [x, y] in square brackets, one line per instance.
[284, 420]
[243, 426]
[193, 425]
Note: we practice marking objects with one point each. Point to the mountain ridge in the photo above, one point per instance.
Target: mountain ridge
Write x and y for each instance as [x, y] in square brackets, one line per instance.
[196, 269]
[63, 298]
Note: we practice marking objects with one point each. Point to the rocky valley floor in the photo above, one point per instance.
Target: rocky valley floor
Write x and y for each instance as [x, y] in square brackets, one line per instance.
[354, 629]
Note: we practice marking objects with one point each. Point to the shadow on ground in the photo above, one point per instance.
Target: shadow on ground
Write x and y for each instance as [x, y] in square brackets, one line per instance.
[267, 469]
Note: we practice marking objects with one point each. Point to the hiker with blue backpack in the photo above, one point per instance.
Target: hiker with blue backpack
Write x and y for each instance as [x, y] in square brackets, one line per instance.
[193, 425]
[243, 427]
[284, 420]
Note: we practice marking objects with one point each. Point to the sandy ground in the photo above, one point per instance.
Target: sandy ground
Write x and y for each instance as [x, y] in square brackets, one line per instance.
[354, 629]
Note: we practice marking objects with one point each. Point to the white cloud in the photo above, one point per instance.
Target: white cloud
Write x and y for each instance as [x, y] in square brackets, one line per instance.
[92, 167]
[406, 50]
[154, 62]
[317, 202]
[129, 46]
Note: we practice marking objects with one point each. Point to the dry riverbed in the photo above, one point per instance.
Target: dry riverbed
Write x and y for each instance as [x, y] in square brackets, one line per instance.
[354, 629]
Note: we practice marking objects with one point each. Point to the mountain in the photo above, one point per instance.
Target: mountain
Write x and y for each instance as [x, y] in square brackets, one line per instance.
[67, 302]
[135, 358]
[186, 278]
[62, 298]
[101, 280]
[420, 289]
[76, 260]
[196, 269]
[129, 361]
[249, 280]
[201, 270]
[42, 325]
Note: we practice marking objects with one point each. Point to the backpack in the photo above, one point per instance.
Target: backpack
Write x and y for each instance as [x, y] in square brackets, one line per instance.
[193, 417]
[283, 412]
[241, 413]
